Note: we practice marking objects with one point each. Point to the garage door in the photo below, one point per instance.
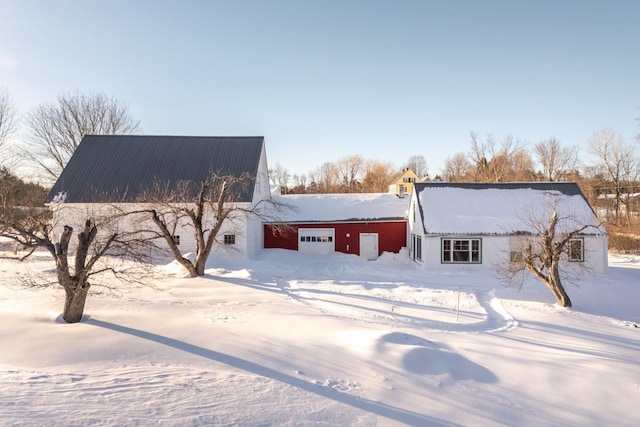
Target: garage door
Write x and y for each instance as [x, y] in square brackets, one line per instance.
[316, 240]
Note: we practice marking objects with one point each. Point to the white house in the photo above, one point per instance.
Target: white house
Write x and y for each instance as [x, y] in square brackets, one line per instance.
[116, 170]
[454, 225]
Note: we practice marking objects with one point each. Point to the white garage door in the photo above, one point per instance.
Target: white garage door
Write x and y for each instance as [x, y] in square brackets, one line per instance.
[316, 240]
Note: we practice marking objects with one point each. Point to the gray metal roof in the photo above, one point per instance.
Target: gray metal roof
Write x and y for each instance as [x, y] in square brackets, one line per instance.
[567, 188]
[118, 168]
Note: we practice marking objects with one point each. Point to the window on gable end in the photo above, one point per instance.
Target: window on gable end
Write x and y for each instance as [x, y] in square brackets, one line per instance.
[575, 250]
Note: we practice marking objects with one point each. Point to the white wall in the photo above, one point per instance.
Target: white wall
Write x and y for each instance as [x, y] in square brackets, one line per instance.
[414, 225]
[75, 214]
[596, 253]
[262, 188]
[254, 231]
[496, 250]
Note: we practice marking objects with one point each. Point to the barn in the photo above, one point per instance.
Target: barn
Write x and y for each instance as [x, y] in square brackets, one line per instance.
[116, 170]
[360, 224]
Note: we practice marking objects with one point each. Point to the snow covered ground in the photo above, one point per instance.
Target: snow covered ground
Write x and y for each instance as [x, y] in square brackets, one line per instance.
[288, 339]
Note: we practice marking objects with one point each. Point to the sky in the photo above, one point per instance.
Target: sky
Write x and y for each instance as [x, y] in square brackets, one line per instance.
[321, 80]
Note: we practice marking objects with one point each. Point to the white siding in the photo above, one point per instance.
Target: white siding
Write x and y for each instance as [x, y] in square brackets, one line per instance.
[76, 214]
[497, 249]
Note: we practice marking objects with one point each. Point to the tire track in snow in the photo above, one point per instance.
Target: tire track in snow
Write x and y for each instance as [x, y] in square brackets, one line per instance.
[496, 318]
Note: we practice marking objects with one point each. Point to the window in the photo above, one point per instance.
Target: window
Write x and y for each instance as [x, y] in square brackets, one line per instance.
[576, 250]
[229, 239]
[408, 180]
[416, 247]
[318, 239]
[176, 239]
[461, 251]
[413, 246]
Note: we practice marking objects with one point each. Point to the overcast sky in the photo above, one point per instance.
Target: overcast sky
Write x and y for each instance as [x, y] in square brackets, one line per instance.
[325, 79]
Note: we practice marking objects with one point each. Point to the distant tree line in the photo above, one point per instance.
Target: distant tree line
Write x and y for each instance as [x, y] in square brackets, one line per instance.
[350, 174]
[17, 193]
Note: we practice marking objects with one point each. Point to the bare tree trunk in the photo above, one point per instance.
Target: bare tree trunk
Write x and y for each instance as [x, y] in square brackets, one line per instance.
[76, 287]
[205, 245]
[554, 283]
[200, 262]
[76, 296]
[173, 247]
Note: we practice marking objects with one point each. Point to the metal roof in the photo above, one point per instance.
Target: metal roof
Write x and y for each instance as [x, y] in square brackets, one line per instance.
[567, 188]
[119, 168]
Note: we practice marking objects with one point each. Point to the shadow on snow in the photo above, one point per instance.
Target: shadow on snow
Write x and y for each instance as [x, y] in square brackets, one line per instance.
[378, 408]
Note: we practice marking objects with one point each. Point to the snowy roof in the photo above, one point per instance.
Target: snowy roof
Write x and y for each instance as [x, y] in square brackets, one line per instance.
[118, 168]
[343, 207]
[502, 209]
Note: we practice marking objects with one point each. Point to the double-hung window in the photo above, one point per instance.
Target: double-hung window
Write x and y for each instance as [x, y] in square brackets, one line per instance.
[576, 250]
[462, 251]
[416, 247]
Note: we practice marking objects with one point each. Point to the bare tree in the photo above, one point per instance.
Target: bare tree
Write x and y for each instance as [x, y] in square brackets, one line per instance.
[323, 179]
[418, 164]
[522, 167]
[493, 162]
[92, 252]
[299, 184]
[280, 176]
[8, 120]
[349, 173]
[377, 176]
[457, 168]
[547, 249]
[618, 162]
[556, 160]
[215, 206]
[56, 129]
